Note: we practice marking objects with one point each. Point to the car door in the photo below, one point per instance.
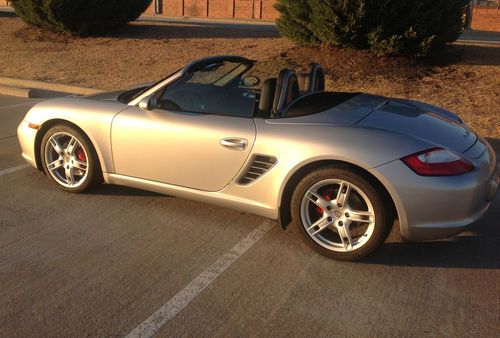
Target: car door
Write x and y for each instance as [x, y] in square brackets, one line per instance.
[178, 145]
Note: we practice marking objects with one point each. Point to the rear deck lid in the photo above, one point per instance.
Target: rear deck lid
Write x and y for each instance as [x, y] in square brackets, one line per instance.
[331, 108]
[423, 122]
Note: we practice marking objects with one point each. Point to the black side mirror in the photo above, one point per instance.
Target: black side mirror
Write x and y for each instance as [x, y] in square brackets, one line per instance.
[148, 103]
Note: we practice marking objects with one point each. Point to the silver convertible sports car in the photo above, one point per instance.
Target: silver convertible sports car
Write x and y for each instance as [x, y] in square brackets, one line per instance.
[341, 166]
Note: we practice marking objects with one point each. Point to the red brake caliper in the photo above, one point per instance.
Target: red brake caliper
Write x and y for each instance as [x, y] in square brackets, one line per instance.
[327, 194]
[80, 154]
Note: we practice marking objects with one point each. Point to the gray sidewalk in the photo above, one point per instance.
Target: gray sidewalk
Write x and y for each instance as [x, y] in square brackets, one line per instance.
[474, 36]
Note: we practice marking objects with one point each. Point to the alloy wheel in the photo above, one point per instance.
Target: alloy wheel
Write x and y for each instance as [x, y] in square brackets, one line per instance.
[337, 215]
[66, 159]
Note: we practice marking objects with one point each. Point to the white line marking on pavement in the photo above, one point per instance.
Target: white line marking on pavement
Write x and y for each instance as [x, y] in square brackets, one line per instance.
[175, 305]
[13, 169]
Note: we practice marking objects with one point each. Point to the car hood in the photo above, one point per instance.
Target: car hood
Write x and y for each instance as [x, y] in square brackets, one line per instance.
[106, 96]
[421, 121]
[113, 95]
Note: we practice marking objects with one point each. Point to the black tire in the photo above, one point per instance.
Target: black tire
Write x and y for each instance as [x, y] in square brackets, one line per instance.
[93, 171]
[383, 219]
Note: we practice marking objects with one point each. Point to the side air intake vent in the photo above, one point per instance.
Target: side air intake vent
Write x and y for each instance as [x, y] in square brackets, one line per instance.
[259, 165]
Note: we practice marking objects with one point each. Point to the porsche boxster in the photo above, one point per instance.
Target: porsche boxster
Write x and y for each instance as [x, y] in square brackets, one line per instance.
[340, 166]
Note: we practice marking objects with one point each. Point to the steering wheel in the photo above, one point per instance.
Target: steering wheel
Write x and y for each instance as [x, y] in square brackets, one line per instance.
[249, 81]
[170, 105]
[193, 100]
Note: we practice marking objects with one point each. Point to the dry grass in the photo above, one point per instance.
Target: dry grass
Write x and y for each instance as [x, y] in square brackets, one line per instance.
[140, 53]
[463, 79]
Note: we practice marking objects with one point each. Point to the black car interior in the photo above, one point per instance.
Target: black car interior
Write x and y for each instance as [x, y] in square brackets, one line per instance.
[275, 99]
[280, 94]
[312, 81]
[222, 85]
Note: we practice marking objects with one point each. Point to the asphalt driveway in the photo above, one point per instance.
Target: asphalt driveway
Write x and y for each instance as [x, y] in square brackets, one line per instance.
[101, 263]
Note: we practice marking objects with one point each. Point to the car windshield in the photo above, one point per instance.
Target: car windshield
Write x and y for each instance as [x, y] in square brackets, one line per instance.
[215, 88]
[218, 74]
[133, 93]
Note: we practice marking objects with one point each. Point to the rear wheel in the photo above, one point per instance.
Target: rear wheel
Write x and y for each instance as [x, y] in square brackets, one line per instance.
[340, 214]
[69, 159]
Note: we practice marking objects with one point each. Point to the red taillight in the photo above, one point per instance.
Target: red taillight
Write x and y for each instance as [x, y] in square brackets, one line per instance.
[437, 162]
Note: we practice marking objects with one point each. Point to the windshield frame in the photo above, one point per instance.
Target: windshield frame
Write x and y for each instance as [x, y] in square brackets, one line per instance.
[147, 87]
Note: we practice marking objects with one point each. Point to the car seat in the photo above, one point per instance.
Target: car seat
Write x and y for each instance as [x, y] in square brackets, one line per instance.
[287, 90]
[312, 82]
[267, 98]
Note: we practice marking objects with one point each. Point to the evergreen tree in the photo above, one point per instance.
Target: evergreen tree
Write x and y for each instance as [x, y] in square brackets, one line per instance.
[295, 21]
[396, 27]
[339, 22]
[79, 16]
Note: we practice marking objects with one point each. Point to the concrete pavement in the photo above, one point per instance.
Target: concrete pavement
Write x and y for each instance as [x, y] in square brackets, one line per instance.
[99, 264]
[474, 36]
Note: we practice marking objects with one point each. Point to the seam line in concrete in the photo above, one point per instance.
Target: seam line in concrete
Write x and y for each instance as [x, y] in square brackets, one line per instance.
[13, 169]
[182, 299]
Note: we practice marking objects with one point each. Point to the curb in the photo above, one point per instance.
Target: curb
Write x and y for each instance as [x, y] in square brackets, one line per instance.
[13, 91]
[32, 89]
[477, 43]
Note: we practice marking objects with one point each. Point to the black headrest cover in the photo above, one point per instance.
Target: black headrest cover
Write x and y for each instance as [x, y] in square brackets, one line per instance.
[304, 81]
[279, 86]
[317, 79]
[292, 90]
[287, 90]
[267, 97]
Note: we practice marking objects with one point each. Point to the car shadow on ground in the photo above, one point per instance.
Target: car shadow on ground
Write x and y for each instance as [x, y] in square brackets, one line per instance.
[476, 251]
[465, 253]
[476, 248]
[117, 190]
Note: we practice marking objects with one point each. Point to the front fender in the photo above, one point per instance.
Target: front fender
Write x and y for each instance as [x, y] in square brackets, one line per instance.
[94, 118]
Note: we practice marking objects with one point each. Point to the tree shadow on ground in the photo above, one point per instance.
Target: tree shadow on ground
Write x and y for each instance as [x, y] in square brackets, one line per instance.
[147, 30]
[7, 14]
[462, 54]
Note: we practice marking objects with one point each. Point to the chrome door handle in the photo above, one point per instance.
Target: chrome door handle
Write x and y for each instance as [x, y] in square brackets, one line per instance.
[234, 143]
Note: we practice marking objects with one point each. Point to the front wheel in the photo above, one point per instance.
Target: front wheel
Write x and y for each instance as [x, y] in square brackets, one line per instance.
[69, 159]
[340, 214]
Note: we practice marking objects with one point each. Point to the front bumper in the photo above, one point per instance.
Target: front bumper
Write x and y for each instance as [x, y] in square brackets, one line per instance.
[26, 137]
[438, 207]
